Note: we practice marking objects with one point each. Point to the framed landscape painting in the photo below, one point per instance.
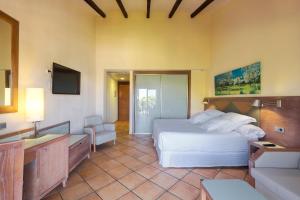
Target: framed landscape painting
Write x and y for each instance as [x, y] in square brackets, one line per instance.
[244, 80]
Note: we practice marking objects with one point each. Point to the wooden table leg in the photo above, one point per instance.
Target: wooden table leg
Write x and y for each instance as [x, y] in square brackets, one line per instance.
[203, 194]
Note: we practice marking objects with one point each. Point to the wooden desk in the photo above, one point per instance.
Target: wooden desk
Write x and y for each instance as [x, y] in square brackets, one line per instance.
[79, 149]
[11, 169]
[45, 165]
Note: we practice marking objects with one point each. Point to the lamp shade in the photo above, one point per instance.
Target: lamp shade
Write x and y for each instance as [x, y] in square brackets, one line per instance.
[34, 104]
[7, 96]
[256, 103]
[205, 101]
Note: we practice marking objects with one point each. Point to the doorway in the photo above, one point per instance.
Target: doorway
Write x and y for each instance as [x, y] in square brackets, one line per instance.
[123, 101]
[117, 100]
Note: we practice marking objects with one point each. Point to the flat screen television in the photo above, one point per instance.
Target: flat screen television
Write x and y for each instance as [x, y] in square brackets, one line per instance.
[65, 80]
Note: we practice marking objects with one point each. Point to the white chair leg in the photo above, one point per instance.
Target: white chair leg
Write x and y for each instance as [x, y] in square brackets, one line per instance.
[114, 142]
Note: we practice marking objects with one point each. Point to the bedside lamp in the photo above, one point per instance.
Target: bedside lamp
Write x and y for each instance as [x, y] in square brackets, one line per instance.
[275, 103]
[256, 103]
[205, 101]
[34, 106]
[7, 96]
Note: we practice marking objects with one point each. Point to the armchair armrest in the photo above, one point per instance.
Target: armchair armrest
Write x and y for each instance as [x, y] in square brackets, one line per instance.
[91, 130]
[109, 127]
[278, 159]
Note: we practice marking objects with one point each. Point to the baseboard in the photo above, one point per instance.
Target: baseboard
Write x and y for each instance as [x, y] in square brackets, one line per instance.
[142, 133]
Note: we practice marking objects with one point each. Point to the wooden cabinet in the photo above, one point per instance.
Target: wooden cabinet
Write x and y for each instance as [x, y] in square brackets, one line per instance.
[11, 170]
[52, 165]
[79, 150]
[47, 169]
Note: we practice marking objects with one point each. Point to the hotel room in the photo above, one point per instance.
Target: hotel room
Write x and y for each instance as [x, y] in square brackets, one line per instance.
[167, 100]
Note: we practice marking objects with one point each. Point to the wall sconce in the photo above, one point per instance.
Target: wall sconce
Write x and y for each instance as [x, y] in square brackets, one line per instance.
[276, 103]
[256, 103]
[259, 103]
[205, 101]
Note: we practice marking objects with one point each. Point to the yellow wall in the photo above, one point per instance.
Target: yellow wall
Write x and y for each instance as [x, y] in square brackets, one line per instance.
[246, 31]
[54, 31]
[158, 43]
[111, 108]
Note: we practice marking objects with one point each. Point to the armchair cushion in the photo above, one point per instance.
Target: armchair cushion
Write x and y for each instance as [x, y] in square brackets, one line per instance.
[109, 127]
[99, 128]
[105, 136]
[283, 182]
[104, 132]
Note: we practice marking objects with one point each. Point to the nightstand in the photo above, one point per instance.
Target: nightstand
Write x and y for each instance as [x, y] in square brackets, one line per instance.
[257, 149]
[255, 146]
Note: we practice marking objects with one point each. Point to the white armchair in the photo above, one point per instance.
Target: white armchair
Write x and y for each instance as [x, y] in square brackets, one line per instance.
[99, 132]
[277, 175]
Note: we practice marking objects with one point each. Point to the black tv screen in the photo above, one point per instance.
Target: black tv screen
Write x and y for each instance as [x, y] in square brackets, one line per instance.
[65, 80]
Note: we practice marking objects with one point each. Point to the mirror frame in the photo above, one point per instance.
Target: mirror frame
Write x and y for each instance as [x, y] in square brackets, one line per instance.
[14, 63]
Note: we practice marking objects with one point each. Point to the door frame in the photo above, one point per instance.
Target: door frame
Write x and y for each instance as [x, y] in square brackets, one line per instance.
[157, 72]
[124, 83]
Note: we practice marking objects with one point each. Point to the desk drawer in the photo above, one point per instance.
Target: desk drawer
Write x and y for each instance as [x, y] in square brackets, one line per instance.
[78, 151]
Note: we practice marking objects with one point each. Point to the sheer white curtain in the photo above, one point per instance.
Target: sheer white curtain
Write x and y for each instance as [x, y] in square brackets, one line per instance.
[159, 96]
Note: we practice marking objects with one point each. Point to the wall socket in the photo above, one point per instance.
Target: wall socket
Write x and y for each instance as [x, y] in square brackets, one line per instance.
[280, 130]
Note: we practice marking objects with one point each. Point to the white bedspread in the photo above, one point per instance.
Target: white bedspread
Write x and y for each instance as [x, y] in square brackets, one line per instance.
[178, 139]
[173, 125]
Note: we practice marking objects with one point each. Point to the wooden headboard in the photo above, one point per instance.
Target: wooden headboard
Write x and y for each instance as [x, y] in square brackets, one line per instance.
[268, 116]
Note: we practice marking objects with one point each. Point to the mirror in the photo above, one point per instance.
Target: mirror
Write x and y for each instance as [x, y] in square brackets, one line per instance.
[9, 40]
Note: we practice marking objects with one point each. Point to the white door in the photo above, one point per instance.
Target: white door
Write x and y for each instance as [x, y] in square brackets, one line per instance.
[159, 96]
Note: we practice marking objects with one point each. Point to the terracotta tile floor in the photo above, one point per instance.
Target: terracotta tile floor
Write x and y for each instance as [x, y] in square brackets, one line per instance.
[130, 170]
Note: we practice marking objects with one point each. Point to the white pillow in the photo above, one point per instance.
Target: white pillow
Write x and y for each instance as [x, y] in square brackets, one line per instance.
[204, 116]
[251, 131]
[227, 122]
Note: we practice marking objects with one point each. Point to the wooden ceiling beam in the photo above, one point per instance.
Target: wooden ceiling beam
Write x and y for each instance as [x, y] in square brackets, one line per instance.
[148, 8]
[121, 6]
[93, 5]
[175, 6]
[201, 7]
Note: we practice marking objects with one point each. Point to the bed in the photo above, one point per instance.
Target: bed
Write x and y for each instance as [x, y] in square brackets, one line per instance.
[181, 144]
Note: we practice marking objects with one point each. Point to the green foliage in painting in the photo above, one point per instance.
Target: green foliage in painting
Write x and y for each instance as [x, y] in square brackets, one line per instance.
[244, 80]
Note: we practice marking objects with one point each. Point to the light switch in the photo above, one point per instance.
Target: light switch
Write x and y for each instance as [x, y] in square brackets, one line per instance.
[2, 125]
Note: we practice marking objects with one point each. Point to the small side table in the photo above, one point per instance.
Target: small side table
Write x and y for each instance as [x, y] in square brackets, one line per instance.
[229, 189]
[254, 146]
[256, 149]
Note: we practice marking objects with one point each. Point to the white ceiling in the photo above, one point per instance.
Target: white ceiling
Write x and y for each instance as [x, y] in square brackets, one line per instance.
[156, 5]
[119, 76]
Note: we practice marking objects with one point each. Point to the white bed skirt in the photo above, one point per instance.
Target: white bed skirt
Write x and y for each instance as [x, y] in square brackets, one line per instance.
[202, 159]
